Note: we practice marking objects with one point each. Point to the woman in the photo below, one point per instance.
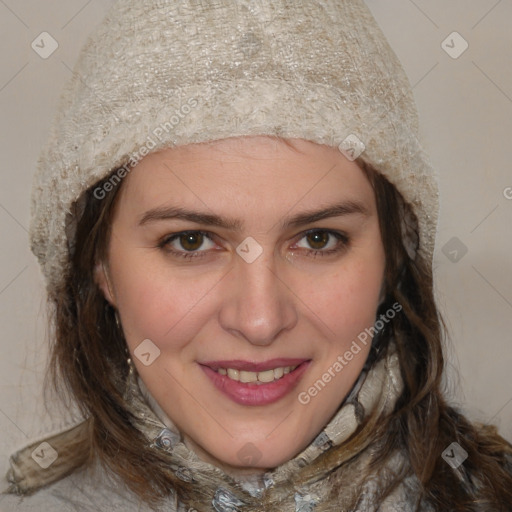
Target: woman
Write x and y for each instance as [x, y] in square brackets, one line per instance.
[236, 224]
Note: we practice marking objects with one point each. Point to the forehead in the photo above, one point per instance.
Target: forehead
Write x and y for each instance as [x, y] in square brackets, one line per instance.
[255, 172]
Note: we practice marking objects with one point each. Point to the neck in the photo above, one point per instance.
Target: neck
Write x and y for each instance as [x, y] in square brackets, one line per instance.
[237, 472]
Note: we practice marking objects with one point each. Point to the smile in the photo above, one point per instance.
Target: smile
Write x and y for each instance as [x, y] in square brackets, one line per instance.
[255, 384]
[257, 377]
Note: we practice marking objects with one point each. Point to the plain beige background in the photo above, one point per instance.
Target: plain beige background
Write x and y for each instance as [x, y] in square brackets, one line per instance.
[465, 107]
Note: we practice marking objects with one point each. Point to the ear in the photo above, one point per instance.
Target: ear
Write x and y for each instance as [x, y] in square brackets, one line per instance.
[103, 282]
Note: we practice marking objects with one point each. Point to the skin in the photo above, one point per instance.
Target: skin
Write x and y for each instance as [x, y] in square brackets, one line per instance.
[287, 303]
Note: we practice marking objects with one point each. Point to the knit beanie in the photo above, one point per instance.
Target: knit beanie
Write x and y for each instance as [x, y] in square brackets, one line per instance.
[161, 73]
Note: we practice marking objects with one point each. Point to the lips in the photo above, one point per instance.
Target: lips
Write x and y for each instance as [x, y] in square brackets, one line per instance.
[255, 393]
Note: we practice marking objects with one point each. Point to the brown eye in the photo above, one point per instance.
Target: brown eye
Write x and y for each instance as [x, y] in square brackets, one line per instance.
[318, 239]
[191, 241]
[323, 242]
[187, 244]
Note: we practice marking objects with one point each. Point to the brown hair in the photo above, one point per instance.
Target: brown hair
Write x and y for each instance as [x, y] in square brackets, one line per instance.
[89, 358]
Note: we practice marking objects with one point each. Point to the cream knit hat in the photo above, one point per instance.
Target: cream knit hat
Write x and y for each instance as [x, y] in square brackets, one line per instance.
[162, 73]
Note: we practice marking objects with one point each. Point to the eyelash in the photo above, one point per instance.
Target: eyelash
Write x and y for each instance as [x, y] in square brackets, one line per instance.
[343, 242]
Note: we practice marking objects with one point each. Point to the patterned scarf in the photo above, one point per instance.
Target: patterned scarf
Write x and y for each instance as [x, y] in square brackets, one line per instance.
[296, 485]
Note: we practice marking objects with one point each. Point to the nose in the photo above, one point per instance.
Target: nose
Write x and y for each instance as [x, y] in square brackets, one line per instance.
[257, 305]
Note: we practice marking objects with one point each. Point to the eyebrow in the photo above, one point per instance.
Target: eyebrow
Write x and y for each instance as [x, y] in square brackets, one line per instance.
[308, 217]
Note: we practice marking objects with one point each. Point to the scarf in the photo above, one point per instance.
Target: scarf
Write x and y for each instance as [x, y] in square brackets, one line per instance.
[298, 485]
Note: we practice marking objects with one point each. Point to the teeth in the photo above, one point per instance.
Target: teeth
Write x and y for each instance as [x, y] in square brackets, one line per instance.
[248, 376]
[266, 376]
[233, 374]
[258, 377]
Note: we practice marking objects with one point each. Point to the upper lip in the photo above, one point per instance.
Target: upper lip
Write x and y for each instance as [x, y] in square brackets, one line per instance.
[238, 364]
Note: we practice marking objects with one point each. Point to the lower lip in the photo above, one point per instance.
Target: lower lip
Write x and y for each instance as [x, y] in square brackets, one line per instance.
[256, 394]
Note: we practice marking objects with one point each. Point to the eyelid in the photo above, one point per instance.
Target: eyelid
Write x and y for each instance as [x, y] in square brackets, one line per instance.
[342, 239]
[164, 243]
[334, 232]
[169, 238]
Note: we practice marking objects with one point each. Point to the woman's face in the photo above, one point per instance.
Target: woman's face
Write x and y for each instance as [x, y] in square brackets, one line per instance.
[241, 261]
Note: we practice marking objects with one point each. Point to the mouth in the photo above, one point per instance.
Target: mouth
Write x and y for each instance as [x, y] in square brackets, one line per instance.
[250, 383]
[257, 377]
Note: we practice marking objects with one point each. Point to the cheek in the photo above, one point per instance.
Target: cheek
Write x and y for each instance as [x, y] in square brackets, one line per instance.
[348, 300]
[157, 304]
